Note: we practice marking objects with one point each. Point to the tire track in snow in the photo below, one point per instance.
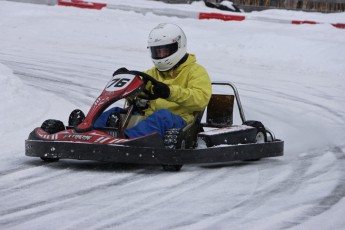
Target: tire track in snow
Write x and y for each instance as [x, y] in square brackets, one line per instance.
[20, 162]
[26, 181]
[336, 194]
[251, 201]
[291, 184]
[159, 197]
[199, 182]
[74, 77]
[14, 216]
[303, 100]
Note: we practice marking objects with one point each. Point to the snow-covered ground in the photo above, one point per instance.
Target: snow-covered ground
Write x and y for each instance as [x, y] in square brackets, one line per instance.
[291, 77]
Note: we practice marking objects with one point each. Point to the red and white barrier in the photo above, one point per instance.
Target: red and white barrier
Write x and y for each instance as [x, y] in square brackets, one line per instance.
[82, 4]
[174, 12]
[227, 17]
[224, 17]
[337, 25]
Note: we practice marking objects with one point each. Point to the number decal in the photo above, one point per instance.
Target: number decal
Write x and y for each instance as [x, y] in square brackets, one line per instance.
[119, 82]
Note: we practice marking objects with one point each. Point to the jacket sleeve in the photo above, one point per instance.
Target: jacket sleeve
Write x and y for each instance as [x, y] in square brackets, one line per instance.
[196, 94]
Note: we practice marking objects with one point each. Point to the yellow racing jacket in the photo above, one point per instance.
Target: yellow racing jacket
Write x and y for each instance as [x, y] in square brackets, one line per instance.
[190, 89]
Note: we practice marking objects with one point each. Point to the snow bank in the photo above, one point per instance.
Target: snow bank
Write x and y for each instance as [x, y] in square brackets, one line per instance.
[10, 85]
[24, 108]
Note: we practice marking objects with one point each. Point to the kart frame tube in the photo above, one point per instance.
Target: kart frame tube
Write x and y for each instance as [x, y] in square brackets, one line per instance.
[237, 96]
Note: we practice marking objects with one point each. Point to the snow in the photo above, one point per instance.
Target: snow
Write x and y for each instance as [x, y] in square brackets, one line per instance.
[54, 59]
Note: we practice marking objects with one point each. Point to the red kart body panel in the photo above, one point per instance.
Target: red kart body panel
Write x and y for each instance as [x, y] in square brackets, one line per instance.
[120, 86]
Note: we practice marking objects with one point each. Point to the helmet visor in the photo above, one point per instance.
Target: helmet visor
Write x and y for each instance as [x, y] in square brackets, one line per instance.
[160, 52]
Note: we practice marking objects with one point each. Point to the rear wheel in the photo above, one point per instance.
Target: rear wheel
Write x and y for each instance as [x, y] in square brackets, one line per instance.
[261, 135]
[52, 126]
[48, 159]
[173, 139]
[172, 168]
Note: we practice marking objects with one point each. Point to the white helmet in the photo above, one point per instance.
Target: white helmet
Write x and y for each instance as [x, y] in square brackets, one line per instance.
[168, 45]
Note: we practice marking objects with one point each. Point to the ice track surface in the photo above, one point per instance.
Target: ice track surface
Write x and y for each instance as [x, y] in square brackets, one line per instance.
[55, 59]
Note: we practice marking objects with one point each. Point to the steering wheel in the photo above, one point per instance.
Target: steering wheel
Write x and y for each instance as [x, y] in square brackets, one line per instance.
[145, 77]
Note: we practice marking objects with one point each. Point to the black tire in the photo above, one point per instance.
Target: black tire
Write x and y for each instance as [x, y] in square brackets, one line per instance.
[173, 139]
[172, 168]
[47, 159]
[76, 117]
[52, 126]
[261, 136]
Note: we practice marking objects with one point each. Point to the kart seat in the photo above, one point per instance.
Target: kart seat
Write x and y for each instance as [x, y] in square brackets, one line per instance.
[219, 114]
[220, 111]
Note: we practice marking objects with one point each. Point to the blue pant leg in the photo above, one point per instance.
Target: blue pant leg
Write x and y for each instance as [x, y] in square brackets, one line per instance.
[158, 122]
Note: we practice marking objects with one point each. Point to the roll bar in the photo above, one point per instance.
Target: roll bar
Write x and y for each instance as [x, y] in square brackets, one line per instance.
[239, 105]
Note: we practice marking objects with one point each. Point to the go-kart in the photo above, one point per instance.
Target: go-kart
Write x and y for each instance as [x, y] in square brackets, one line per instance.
[217, 140]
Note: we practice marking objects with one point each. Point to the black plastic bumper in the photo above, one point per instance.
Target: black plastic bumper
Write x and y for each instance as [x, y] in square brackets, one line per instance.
[144, 155]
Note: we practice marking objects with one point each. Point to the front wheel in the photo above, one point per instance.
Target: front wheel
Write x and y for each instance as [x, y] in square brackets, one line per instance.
[76, 117]
[52, 126]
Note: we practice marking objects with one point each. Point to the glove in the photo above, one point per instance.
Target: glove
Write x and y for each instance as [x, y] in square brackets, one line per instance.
[121, 70]
[161, 90]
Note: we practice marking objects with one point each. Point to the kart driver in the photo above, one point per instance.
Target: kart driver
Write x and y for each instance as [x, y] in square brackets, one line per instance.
[184, 86]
